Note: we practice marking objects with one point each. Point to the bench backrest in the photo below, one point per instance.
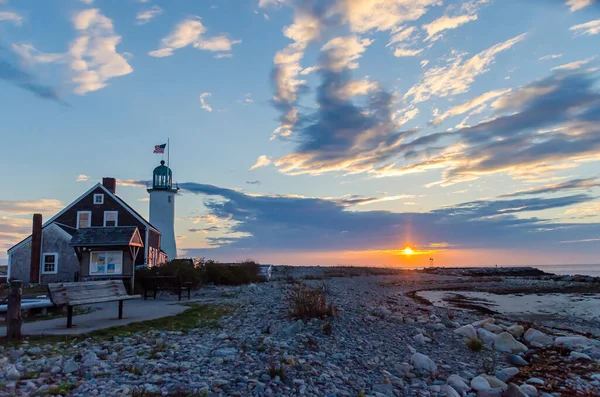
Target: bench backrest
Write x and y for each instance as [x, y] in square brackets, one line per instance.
[153, 282]
[68, 293]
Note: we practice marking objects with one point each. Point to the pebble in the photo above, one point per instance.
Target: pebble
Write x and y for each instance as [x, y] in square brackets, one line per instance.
[517, 360]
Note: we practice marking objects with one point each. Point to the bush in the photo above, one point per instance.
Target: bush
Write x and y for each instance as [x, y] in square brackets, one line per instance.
[230, 274]
[475, 344]
[305, 302]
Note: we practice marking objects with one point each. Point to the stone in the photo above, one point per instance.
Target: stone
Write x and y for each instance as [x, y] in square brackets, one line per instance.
[381, 311]
[535, 381]
[225, 352]
[506, 343]
[506, 373]
[458, 384]
[420, 339]
[516, 330]
[572, 341]
[529, 390]
[490, 393]
[12, 374]
[479, 383]
[449, 390]
[70, 366]
[481, 323]
[514, 391]
[468, 331]
[493, 328]
[486, 336]
[517, 360]
[579, 356]
[494, 382]
[384, 388]
[34, 351]
[533, 335]
[295, 328]
[423, 363]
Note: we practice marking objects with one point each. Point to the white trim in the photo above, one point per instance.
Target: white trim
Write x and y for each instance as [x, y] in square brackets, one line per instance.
[116, 217]
[101, 198]
[28, 239]
[89, 218]
[43, 264]
[97, 185]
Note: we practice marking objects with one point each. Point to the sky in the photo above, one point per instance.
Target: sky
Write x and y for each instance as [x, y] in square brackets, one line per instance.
[315, 132]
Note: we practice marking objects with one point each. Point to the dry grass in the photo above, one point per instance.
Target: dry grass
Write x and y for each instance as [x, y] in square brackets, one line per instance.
[475, 344]
[305, 302]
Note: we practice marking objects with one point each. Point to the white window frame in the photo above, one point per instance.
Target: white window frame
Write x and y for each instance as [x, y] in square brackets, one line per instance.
[44, 255]
[106, 273]
[89, 218]
[116, 217]
[101, 196]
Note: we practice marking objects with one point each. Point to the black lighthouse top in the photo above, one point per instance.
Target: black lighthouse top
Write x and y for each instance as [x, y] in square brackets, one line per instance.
[162, 177]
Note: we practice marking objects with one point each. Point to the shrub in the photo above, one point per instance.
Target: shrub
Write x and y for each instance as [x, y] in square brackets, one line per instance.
[305, 302]
[230, 274]
[475, 344]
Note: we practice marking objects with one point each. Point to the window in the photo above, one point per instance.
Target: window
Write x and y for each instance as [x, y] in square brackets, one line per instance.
[98, 198]
[84, 219]
[106, 263]
[50, 263]
[111, 218]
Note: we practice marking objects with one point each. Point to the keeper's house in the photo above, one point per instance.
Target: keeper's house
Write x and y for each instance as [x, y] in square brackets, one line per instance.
[96, 236]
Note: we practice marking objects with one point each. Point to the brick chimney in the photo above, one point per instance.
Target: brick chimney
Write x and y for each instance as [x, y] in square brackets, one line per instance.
[110, 184]
[36, 249]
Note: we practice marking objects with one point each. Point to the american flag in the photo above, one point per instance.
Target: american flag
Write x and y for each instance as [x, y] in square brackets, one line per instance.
[160, 148]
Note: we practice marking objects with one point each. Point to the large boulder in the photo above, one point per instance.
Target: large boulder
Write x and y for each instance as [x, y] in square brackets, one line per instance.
[468, 331]
[516, 330]
[506, 343]
[423, 363]
[534, 336]
[458, 384]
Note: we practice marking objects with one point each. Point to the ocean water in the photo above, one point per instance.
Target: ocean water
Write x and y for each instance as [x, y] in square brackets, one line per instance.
[588, 270]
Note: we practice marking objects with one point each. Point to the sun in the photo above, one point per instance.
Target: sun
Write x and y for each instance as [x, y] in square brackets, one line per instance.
[408, 251]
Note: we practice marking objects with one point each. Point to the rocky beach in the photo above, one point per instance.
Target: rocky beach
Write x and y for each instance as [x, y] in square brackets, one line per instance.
[386, 338]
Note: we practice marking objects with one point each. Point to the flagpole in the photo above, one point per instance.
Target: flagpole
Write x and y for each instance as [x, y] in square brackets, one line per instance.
[168, 152]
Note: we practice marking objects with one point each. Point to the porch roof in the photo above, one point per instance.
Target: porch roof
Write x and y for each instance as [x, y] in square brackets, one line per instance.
[107, 236]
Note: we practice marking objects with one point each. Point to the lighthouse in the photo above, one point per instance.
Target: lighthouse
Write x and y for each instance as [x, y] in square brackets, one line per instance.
[162, 207]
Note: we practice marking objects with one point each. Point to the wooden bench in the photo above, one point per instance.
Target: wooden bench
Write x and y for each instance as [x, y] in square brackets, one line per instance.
[164, 283]
[83, 293]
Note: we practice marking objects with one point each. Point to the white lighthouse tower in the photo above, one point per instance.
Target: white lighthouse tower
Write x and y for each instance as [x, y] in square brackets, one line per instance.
[162, 207]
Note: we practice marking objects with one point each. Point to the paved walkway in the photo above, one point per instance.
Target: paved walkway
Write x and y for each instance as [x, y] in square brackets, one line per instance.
[133, 311]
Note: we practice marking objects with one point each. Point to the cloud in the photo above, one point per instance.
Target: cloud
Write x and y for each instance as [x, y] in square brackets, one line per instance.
[11, 17]
[286, 223]
[550, 56]
[262, 161]
[457, 77]
[575, 5]
[87, 1]
[574, 65]
[253, 182]
[146, 16]
[28, 207]
[25, 80]
[574, 184]
[469, 105]
[403, 40]
[445, 23]
[203, 103]
[82, 178]
[220, 56]
[587, 29]
[191, 32]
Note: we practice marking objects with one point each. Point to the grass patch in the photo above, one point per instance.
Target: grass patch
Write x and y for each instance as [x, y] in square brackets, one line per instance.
[474, 344]
[305, 302]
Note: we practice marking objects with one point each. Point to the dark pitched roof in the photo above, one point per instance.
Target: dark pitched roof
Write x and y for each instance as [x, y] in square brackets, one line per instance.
[103, 236]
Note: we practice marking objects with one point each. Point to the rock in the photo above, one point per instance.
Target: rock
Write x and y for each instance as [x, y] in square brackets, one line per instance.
[420, 339]
[479, 383]
[12, 374]
[458, 384]
[481, 323]
[468, 331]
[70, 366]
[55, 370]
[423, 363]
[381, 311]
[506, 343]
[506, 373]
[490, 393]
[486, 336]
[493, 328]
[572, 341]
[494, 382]
[397, 317]
[295, 328]
[514, 391]
[449, 390]
[517, 360]
[579, 356]
[225, 352]
[15, 354]
[338, 356]
[384, 388]
[529, 390]
[533, 335]
[535, 381]
[34, 351]
[516, 330]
